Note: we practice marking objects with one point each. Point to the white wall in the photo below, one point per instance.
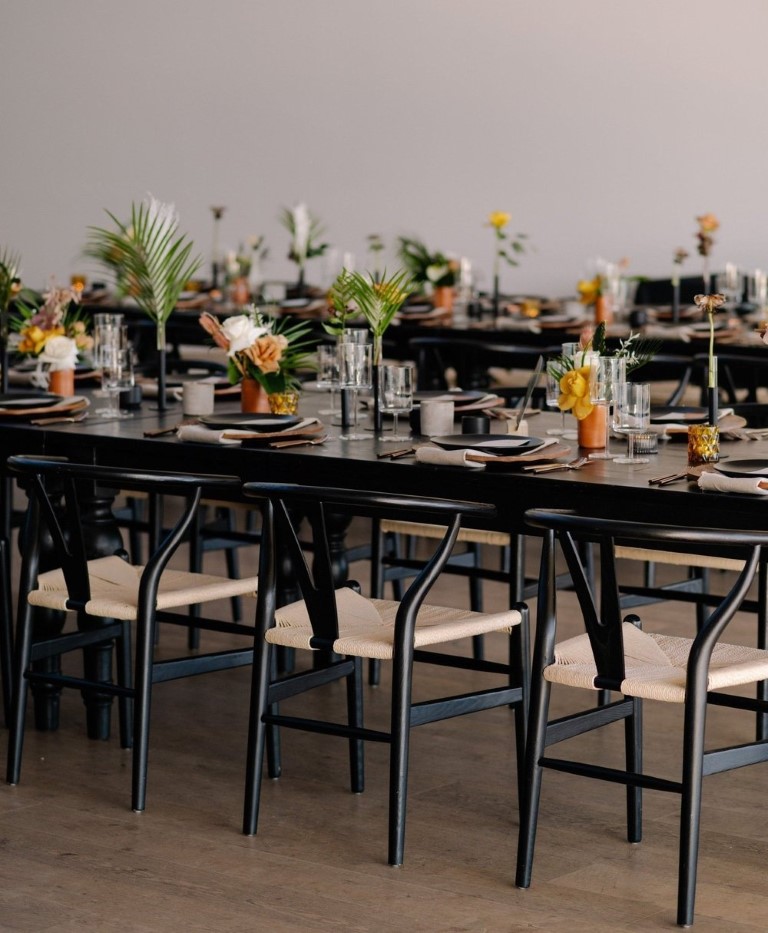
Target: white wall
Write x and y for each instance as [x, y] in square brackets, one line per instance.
[604, 126]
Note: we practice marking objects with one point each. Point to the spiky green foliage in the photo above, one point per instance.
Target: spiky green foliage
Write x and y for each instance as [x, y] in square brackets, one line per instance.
[423, 266]
[304, 242]
[9, 280]
[342, 302]
[153, 259]
[380, 301]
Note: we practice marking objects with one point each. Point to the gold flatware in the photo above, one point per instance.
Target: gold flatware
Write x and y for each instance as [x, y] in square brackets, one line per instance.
[63, 419]
[396, 454]
[299, 442]
[576, 464]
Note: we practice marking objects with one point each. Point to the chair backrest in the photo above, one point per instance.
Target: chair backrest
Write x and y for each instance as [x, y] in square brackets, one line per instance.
[284, 506]
[602, 618]
[57, 488]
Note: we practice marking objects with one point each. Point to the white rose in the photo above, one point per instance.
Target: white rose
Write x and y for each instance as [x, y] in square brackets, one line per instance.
[241, 332]
[60, 353]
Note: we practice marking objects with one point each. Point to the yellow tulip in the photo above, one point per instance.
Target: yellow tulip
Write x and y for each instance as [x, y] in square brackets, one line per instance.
[499, 219]
[574, 393]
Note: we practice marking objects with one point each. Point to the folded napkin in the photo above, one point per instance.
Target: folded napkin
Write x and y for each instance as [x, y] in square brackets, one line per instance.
[200, 434]
[716, 482]
[474, 459]
[664, 332]
[530, 326]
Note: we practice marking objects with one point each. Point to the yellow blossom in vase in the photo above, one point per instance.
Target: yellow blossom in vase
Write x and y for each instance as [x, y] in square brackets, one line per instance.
[590, 290]
[574, 392]
[499, 219]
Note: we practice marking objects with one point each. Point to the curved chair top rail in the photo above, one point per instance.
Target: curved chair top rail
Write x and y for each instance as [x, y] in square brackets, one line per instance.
[359, 497]
[642, 531]
[157, 480]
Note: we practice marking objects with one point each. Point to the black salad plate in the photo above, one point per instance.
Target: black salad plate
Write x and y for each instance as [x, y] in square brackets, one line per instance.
[743, 468]
[488, 443]
[250, 422]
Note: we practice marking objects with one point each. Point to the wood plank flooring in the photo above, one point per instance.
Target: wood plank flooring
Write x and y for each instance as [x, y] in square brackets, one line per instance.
[74, 857]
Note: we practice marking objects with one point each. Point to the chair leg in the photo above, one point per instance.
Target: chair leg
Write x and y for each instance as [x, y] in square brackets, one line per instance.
[263, 662]
[233, 563]
[355, 719]
[690, 809]
[520, 668]
[124, 703]
[195, 566]
[761, 726]
[377, 588]
[6, 631]
[398, 754]
[145, 641]
[532, 774]
[274, 766]
[20, 691]
[701, 610]
[633, 742]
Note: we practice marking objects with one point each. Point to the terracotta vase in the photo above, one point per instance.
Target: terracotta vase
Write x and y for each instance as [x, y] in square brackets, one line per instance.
[253, 397]
[443, 296]
[591, 429]
[603, 310]
[62, 381]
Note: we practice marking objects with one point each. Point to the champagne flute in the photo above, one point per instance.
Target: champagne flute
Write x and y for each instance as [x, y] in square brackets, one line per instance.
[395, 395]
[633, 416]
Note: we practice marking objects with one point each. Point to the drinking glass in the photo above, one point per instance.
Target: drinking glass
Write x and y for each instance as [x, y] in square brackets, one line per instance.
[606, 373]
[758, 289]
[395, 395]
[328, 374]
[632, 416]
[355, 373]
[730, 283]
[116, 377]
[553, 395]
[109, 333]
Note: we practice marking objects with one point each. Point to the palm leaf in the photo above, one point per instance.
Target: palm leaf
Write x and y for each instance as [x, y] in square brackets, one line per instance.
[380, 301]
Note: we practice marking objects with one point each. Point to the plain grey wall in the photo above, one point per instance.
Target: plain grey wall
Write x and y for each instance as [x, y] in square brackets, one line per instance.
[603, 126]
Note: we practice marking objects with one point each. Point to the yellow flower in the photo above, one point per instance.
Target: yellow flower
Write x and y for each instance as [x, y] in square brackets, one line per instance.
[590, 290]
[499, 219]
[574, 393]
[708, 223]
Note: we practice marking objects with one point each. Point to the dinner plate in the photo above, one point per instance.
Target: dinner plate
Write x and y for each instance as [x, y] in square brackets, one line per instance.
[678, 413]
[754, 467]
[703, 326]
[61, 405]
[251, 422]
[458, 398]
[488, 443]
[14, 400]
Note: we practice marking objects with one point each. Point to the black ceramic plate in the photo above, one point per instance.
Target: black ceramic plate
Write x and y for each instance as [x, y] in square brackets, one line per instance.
[9, 400]
[458, 398]
[488, 443]
[743, 468]
[254, 422]
[678, 413]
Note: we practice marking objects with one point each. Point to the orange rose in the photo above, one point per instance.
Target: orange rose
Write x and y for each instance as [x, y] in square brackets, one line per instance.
[267, 352]
[708, 223]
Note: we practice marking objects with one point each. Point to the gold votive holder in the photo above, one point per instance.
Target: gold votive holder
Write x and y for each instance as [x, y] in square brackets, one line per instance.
[703, 444]
[284, 403]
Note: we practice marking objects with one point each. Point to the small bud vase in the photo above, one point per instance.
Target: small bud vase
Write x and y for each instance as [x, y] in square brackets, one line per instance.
[284, 403]
[61, 381]
[591, 429]
[253, 397]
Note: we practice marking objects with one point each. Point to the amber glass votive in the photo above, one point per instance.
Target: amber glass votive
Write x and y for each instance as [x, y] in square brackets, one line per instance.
[703, 444]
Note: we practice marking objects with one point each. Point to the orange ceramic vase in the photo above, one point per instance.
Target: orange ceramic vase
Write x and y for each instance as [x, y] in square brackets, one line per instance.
[62, 381]
[603, 310]
[442, 297]
[592, 428]
[253, 397]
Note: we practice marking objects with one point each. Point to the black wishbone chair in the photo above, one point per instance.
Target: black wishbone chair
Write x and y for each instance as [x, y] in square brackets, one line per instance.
[615, 654]
[108, 593]
[337, 618]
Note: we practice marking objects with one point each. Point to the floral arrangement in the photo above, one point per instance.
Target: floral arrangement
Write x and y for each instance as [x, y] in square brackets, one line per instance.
[238, 263]
[379, 301]
[590, 290]
[680, 256]
[424, 267]
[573, 372]
[305, 230]
[709, 304]
[259, 347]
[507, 247]
[708, 224]
[54, 333]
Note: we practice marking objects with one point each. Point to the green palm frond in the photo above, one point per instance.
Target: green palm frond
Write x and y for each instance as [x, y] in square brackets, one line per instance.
[380, 301]
[154, 260]
[9, 276]
[341, 299]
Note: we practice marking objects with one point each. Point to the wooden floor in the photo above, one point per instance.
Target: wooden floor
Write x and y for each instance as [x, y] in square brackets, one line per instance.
[74, 857]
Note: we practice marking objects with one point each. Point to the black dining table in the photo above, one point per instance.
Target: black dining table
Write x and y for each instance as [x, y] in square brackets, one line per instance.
[602, 488]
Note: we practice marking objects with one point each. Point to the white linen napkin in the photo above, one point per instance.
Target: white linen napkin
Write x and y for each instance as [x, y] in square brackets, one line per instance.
[439, 457]
[666, 332]
[200, 434]
[529, 326]
[717, 482]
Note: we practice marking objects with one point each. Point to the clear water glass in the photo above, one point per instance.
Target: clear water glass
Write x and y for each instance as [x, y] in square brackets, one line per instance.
[552, 397]
[605, 375]
[116, 377]
[395, 396]
[632, 416]
[328, 374]
[355, 373]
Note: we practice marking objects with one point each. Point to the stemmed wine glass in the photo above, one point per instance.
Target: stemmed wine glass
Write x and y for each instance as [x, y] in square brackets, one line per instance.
[355, 373]
[632, 415]
[605, 375]
[395, 395]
